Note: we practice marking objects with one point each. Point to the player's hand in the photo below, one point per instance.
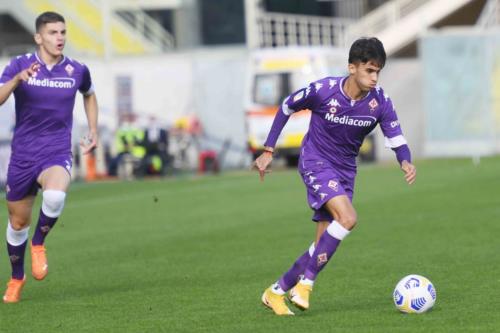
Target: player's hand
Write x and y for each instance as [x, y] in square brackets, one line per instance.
[262, 163]
[31, 71]
[410, 172]
[89, 142]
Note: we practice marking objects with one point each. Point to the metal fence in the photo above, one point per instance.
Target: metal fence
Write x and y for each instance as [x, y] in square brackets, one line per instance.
[277, 30]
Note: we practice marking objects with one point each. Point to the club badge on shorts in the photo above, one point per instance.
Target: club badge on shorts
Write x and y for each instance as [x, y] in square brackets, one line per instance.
[334, 185]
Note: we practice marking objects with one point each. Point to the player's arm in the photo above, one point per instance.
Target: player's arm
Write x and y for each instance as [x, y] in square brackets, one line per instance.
[7, 88]
[11, 80]
[305, 98]
[395, 140]
[403, 156]
[89, 143]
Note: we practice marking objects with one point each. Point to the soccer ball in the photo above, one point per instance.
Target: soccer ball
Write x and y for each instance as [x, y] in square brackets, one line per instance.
[414, 294]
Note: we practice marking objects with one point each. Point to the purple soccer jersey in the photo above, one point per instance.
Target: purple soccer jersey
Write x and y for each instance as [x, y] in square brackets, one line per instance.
[44, 119]
[337, 129]
[44, 106]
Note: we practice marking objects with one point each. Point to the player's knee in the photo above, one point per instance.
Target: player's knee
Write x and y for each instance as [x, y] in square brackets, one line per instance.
[348, 220]
[338, 230]
[18, 223]
[16, 235]
[53, 202]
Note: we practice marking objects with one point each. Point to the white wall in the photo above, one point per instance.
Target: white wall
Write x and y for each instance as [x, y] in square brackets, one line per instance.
[161, 86]
[462, 99]
[402, 80]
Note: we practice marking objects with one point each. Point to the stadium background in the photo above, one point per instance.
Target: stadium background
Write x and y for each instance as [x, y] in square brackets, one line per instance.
[177, 58]
[173, 67]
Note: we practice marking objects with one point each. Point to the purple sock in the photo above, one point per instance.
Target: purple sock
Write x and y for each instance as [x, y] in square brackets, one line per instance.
[16, 257]
[43, 227]
[290, 278]
[324, 250]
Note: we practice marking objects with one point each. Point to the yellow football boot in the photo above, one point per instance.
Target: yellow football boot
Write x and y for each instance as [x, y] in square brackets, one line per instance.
[299, 295]
[276, 303]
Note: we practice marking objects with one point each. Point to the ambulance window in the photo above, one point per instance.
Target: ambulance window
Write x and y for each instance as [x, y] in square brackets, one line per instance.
[271, 89]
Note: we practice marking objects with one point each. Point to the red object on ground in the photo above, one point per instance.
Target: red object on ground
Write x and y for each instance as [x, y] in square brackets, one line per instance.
[208, 161]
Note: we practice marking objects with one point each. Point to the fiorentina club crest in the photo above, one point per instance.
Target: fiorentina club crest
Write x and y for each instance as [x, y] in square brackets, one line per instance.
[333, 185]
[373, 104]
[13, 258]
[322, 258]
[69, 69]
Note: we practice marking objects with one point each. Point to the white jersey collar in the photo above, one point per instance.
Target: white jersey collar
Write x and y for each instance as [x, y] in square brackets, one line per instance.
[63, 59]
[351, 101]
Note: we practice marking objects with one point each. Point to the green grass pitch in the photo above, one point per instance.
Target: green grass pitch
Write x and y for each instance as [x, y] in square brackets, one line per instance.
[194, 255]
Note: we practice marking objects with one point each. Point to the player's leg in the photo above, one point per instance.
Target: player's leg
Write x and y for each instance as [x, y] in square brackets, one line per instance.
[341, 209]
[274, 296]
[288, 280]
[291, 277]
[318, 181]
[17, 237]
[321, 227]
[54, 181]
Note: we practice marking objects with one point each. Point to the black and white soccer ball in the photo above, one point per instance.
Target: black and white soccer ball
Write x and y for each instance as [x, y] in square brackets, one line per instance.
[414, 294]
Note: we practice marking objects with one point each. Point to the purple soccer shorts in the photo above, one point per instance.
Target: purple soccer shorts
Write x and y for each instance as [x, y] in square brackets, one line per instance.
[22, 175]
[324, 182]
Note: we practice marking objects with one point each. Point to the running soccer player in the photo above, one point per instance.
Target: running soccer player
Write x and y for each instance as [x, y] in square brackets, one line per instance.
[344, 110]
[44, 86]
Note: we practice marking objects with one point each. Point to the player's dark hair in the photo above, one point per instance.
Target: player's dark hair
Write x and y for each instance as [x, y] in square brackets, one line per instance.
[367, 49]
[47, 17]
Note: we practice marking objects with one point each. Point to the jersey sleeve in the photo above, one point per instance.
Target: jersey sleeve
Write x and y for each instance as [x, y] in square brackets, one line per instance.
[10, 71]
[389, 123]
[305, 98]
[86, 87]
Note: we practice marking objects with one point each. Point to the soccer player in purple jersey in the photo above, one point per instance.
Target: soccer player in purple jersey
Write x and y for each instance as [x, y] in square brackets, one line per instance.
[344, 110]
[44, 85]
